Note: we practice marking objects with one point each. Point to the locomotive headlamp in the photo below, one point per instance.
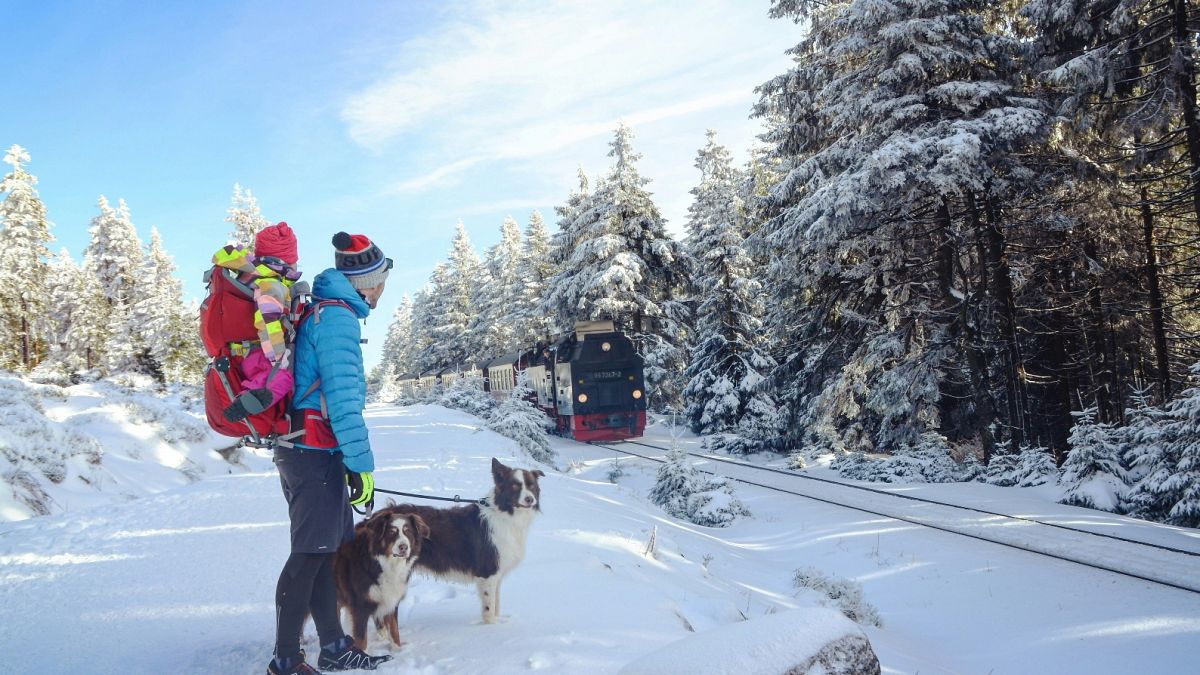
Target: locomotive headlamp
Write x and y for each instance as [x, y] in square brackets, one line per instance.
[605, 346]
[637, 393]
[583, 398]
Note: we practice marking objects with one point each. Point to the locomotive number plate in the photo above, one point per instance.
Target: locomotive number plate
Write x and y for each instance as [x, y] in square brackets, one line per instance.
[607, 375]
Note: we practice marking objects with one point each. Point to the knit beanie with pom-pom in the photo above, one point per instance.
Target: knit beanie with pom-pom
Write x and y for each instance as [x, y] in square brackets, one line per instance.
[360, 260]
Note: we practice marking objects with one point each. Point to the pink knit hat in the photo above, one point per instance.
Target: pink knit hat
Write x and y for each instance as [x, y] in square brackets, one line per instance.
[276, 241]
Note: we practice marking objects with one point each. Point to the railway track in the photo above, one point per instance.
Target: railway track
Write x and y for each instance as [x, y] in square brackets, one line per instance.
[1174, 567]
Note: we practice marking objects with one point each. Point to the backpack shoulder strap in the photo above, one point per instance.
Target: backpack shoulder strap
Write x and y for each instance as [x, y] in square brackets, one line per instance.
[314, 310]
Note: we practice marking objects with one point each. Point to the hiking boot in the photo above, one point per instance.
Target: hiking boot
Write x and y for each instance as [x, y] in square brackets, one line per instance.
[345, 656]
[248, 403]
[294, 665]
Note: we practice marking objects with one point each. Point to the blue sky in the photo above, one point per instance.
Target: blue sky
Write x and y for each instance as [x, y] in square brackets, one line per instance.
[391, 119]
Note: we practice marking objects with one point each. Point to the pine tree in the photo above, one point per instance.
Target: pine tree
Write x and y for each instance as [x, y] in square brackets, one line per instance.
[84, 339]
[560, 297]
[895, 120]
[496, 299]
[24, 267]
[625, 267]
[1180, 487]
[534, 273]
[519, 419]
[171, 351]
[114, 256]
[465, 274]
[398, 346]
[684, 492]
[1145, 452]
[245, 216]
[434, 333]
[727, 366]
[1092, 475]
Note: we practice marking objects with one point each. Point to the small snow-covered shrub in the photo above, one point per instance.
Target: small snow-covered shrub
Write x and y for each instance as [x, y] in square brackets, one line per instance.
[715, 505]
[686, 493]
[174, 426]
[29, 440]
[616, 471]
[929, 461]
[467, 394]
[845, 594]
[519, 419]
[49, 372]
[26, 488]
[1032, 466]
[1092, 475]
[137, 382]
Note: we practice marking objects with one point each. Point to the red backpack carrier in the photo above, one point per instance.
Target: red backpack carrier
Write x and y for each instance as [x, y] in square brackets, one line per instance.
[227, 329]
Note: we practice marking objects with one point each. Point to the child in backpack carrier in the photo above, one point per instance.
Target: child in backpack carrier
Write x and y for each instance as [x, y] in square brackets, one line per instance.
[271, 269]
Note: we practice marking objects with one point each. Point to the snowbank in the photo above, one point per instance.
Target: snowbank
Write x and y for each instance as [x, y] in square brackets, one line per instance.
[67, 448]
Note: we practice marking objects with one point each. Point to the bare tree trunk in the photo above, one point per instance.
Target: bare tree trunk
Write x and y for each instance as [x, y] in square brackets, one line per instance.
[1185, 78]
[1157, 321]
[997, 262]
[981, 395]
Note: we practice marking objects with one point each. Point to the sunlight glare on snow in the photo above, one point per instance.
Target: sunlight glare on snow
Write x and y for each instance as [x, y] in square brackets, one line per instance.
[62, 559]
[185, 611]
[1157, 625]
[133, 534]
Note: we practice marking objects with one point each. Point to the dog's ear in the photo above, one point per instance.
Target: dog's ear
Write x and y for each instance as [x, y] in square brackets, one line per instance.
[499, 471]
[538, 473]
[419, 525]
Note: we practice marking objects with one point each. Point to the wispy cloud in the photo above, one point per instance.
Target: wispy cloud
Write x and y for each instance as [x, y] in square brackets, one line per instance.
[528, 82]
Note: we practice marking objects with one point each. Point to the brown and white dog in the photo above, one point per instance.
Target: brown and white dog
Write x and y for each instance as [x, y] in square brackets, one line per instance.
[372, 571]
[480, 542]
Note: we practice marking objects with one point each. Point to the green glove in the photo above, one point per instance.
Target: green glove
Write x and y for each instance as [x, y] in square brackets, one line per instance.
[362, 487]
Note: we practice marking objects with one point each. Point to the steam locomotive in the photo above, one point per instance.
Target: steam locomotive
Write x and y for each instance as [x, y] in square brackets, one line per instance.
[591, 381]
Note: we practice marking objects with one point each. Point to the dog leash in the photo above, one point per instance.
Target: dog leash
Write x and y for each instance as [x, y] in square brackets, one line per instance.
[455, 498]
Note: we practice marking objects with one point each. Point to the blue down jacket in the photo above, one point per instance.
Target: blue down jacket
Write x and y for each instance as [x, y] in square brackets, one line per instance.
[329, 349]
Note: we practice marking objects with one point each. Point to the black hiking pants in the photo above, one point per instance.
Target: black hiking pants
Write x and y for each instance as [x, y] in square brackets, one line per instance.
[314, 484]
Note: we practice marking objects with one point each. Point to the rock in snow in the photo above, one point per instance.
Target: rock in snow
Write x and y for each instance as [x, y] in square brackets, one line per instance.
[810, 641]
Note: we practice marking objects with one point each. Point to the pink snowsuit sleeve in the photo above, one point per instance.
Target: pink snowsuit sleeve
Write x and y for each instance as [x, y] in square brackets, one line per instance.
[256, 368]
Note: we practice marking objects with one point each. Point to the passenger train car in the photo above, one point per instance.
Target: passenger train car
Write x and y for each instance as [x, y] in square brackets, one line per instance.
[590, 381]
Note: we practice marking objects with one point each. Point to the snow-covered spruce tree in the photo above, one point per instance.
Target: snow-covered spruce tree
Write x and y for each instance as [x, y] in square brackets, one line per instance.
[159, 315]
[245, 217]
[464, 275]
[79, 316]
[387, 386]
[467, 394]
[896, 118]
[1092, 475]
[727, 364]
[535, 271]
[928, 461]
[1181, 436]
[624, 266]
[429, 306]
[1146, 454]
[519, 419]
[398, 347]
[114, 256]
[496, 299]
[559, 297]
[24, 267]
[1029, 467]
[686, 493]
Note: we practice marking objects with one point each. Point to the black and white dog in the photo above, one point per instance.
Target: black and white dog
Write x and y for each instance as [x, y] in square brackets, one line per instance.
[480, 542]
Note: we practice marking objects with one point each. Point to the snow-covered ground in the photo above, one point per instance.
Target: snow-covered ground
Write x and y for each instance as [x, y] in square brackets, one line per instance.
[183, 580]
